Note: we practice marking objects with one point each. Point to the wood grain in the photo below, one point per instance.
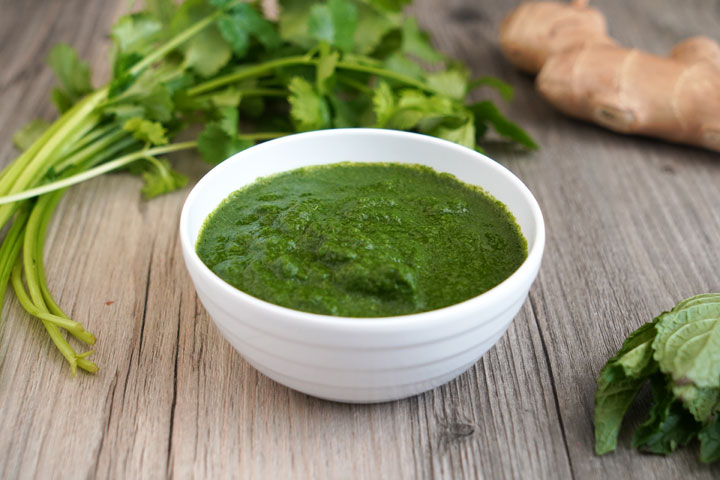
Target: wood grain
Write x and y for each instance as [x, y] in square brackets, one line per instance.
[632, 228]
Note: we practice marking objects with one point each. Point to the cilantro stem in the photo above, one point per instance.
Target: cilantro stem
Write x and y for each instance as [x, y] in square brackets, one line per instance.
[10, 250]
[175, 42]
[266, 67]
[251, 92]
[94, 172]
[50, 322]
[260, 136]
[119, 163]
[383, 72]
[34, 168]
[250, 72]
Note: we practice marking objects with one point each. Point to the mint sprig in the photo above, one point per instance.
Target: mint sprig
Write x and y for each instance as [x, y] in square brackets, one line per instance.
[679, 354]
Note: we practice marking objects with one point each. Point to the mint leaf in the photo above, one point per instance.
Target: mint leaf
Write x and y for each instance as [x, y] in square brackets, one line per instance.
[669, 424]
[73, 74]
[146, 131]
[29, 133]
[487, 113]
[701, 402]
[709, 438]
[160, 178]
[688, 343]
[216, 144]
[619, 382]
[308, 108]
[612, 399]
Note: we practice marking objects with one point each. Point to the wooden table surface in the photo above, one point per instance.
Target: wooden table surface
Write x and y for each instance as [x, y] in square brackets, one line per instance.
[633, 226]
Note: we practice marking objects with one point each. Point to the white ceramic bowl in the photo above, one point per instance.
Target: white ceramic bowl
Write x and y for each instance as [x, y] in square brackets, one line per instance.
[361, 359]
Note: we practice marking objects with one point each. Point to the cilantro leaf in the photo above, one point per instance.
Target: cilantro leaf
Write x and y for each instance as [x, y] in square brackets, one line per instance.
[383, 104]
[327, 62]
[146, 131]
[29, 133]
[417, 43]
[372, 28]
[242, 22]
[135, 31]
[162, 10]
[389, 5]
[710, 441]
[487, 113]
[668, 426]
[308, 108]
[73, 74]
[451, 83]
[506, 91]
[293, 22]
[160, 178]
[216, 144]
[334, 22]
[206, 52]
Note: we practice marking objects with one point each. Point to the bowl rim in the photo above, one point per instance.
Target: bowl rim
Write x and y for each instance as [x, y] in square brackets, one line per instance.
[513, 283]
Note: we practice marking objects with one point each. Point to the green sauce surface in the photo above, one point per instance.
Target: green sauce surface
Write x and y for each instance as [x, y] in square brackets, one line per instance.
[362, 240]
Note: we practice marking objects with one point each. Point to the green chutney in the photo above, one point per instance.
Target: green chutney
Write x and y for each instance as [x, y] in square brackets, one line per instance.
[362, 240]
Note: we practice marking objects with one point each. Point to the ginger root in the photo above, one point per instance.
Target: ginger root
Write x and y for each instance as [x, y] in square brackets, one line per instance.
[587, 75]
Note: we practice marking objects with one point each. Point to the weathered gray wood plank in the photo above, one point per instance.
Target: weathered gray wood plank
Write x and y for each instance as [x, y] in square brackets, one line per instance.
[631, 229]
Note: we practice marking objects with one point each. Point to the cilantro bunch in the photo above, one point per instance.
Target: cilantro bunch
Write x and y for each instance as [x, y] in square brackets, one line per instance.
[244, 78]
[678, 353]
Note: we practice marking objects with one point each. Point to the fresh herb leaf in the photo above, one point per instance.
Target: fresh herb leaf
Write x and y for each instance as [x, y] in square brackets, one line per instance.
[710, 441]
[619, 382]
[383, 104]
[29, 133]
[700, 402]
[73, 74]
[308, 108]
[415, 42]
[242, 22]
[487, 113]
[146, 131]
[451, 83]
[334, 22]
[160, 178]
[389, 5]
[327, 62]
[134, 32]
[505, 90]
[668, 425]
[216, 144]
[677, 363]
[688, 343]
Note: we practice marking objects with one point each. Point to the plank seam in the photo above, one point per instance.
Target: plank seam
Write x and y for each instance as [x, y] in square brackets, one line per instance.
[552, 383]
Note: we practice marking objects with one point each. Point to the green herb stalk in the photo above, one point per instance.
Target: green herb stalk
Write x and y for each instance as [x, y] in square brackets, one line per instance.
[245, 79]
